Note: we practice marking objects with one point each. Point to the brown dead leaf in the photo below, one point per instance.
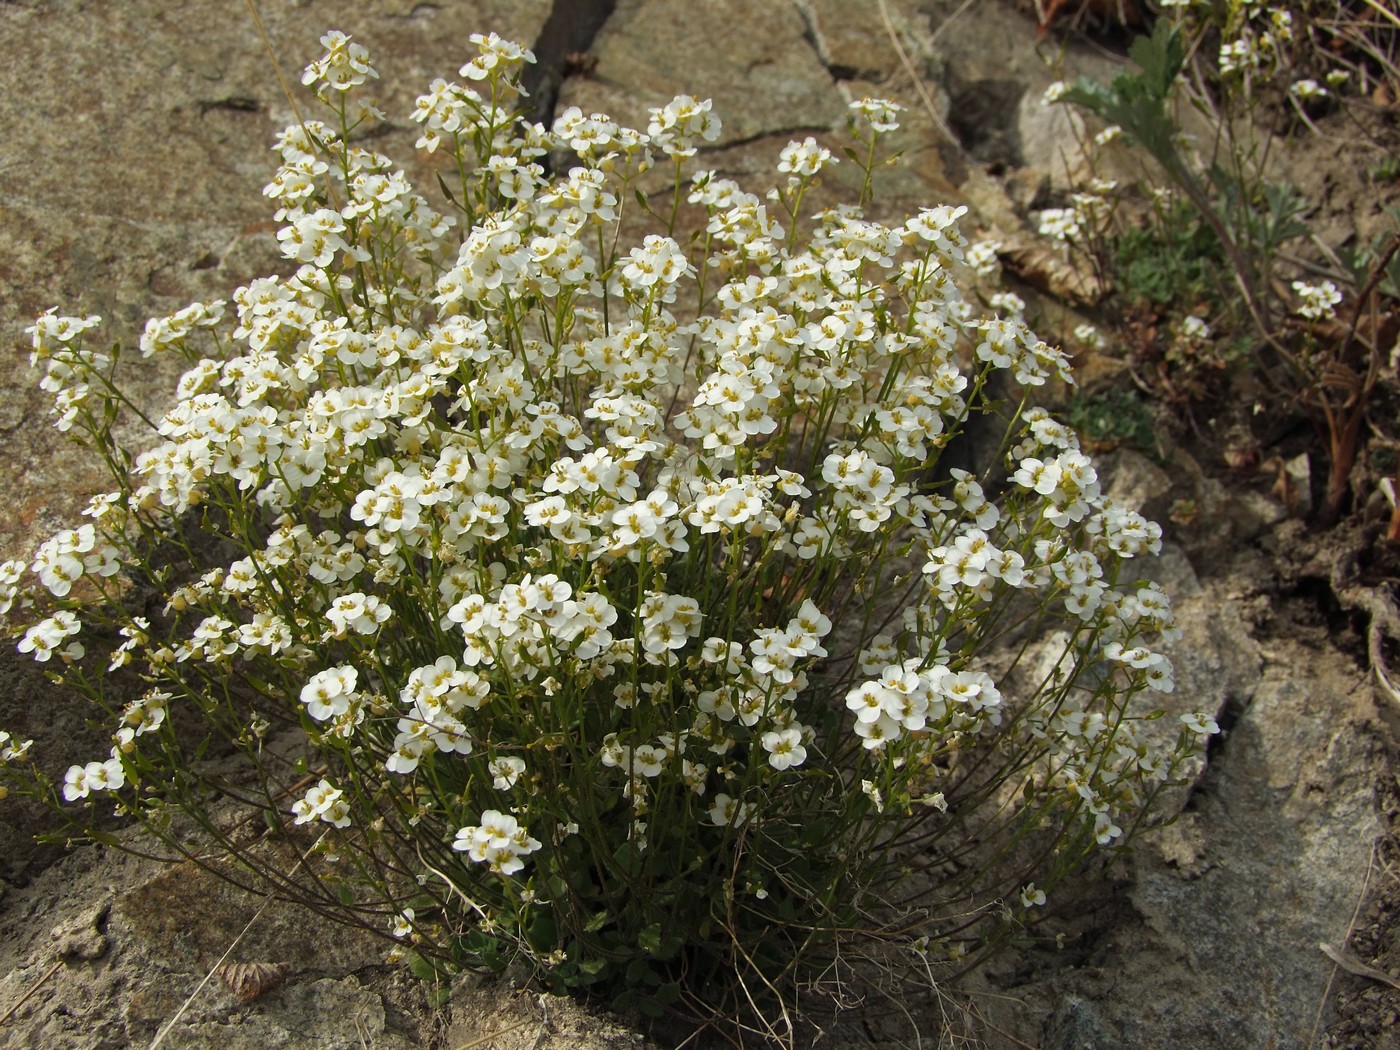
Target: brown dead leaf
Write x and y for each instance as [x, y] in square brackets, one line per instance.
[1045, 270]
[248, 981]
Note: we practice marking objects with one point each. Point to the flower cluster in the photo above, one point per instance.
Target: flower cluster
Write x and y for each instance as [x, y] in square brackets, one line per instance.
[1255, 40]
[323, 802]
[589, 537]
[498, 841]
[1317, 301]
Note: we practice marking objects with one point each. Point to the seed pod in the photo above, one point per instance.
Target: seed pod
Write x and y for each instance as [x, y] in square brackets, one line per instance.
[248, 981]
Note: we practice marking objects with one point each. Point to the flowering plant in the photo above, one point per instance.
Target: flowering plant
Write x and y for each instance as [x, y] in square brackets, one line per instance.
[596, 597]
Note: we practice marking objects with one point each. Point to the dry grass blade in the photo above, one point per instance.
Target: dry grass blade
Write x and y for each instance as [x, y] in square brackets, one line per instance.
[1383, 11]
[160, 1036]
[938, 121]
[1351, 964]
[483, 1040]
[30, 994]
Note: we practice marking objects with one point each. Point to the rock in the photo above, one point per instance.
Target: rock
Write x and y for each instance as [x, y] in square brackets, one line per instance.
[1287, 824]
[327, 1014]
[136, 152]
[859, 48]
[83, 940]
[751, 58]
[186, 910]
[506, 1018]
[32, 708]
[1076, 1025]
[996, 78]
[1271, 860]
[1132, 480]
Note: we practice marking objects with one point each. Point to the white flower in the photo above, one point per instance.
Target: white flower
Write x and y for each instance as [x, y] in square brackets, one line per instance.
[1061, 224]
[1318, 300]
[12, 750]
[505, 772]
[95, 776]
[323, 801]
[982, 257]
[1307, 90]
[668, 622]
[659, 260]
[1009, 302]
[1195, 329]
[728, 812]
[345, 64]
[676, 127]
[495, 55]
[1200, 723]
[46, 638]
[784, 748]
[329, 693]
[498, 841]
[361, 613]
[881, 114]
[804, 158]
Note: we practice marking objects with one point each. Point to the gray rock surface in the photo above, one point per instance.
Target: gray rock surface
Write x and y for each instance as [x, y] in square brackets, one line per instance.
[137, 145]
[1268, 859]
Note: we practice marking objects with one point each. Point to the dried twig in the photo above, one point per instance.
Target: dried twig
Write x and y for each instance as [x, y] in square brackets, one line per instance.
[1344, 422]
[482, 1040]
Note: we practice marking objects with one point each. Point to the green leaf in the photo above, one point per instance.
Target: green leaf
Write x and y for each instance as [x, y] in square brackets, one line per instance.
[650, 939]
[445, 191]
[640, 972]
[671, 944]
[1161, 56]
[1090, 94]
[421, 968]
[543, 933]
